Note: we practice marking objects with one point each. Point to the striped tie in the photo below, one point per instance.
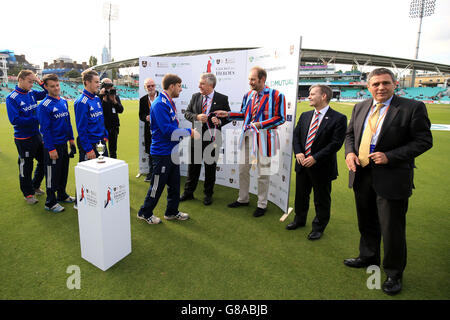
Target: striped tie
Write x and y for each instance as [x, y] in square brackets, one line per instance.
[255, 107]
[205, 105]
[311, 134]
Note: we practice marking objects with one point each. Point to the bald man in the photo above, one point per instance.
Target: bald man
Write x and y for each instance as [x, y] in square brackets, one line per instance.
[111, 108]
[144, 115]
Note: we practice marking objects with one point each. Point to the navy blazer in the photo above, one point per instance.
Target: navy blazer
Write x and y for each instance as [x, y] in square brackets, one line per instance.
[327, 142]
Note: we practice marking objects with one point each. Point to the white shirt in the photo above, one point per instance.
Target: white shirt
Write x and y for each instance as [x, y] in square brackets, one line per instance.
[210, 98]
[150, 101]
[321, 115]
[383, 111]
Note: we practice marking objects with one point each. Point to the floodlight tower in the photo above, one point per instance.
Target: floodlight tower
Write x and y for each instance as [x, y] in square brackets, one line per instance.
[420, 9]
[110, 12]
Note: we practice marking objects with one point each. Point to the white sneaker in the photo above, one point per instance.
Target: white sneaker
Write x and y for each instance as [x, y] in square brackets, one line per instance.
[69, 199]
[150, 220]
[31, 200]
[39, 192]
[179, 216]
[75, 206]
[56, 208]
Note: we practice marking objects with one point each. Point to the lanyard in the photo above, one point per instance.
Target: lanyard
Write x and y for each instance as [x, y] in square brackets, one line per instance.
[172, 104]
[378, 121]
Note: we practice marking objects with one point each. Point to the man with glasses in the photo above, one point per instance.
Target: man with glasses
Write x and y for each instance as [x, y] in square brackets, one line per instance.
[144, 115]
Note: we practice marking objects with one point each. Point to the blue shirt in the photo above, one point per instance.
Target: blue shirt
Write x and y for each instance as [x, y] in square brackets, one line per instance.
[22, 106]
[89, 120]
[54, 117]
[383, 111]
[166, 133]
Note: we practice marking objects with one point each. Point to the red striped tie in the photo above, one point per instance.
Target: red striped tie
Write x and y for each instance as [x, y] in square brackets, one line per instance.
[205, 105]
[255, 107]
[312, 134]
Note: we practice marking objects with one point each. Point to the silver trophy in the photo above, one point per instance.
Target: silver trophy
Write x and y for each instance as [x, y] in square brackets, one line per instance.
[100, 150]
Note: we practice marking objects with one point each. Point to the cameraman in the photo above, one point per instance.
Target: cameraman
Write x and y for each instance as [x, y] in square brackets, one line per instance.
[111, 108]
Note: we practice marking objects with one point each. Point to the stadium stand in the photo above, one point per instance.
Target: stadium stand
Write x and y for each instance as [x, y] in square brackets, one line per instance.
[71, 90]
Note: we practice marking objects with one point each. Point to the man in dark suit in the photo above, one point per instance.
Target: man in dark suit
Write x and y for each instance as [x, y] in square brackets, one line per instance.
[201, 110]
[384, 136]
[144, 115]
[319, 134]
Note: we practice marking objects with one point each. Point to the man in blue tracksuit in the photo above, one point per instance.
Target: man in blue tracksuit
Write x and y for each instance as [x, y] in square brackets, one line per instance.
[21, 105]
[165, 137]
[56, 129]
[89, 119]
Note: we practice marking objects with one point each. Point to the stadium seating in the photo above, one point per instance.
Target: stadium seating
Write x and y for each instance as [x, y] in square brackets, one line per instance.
[71, 90]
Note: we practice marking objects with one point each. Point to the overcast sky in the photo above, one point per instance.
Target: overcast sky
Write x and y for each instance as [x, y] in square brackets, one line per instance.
[46, 29]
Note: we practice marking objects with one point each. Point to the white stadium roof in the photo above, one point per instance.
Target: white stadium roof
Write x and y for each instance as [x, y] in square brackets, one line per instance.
[310, 56]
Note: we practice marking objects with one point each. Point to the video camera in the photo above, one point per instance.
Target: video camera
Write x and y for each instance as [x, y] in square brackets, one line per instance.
[109, 89]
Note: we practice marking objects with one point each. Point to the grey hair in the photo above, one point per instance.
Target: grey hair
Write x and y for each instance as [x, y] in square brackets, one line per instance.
[380, 71]
[210, 78]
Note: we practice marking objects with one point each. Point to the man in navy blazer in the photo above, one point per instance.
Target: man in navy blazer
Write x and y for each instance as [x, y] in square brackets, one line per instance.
[318, 136]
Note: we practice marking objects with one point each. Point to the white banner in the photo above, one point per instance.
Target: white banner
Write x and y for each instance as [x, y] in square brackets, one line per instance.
[232, 69]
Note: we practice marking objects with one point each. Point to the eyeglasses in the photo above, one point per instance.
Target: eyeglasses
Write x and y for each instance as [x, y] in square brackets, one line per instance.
[151, 86]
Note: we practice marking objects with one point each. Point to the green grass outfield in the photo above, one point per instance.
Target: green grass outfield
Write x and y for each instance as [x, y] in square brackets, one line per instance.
[220, 253]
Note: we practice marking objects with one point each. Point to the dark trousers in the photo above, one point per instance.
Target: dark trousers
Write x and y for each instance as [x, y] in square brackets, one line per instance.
[30, 149]
[194, 172]
[165, 172]
[379, 217]
[322, 199]
[56, 172]
[150, 166]
[113, 134]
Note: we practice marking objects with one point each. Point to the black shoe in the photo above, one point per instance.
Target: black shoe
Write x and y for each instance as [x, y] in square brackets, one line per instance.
[148, 179]
[186, 196]
[315, 235]
[295, 224]
[360, 263]
[259, 212]
[207, 201]
[237, 204]
[392, 286]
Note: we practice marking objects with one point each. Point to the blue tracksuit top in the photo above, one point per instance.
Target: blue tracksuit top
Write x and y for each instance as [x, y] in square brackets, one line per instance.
[21, 106]
[89, 120]
[164, 125]
[54, 118]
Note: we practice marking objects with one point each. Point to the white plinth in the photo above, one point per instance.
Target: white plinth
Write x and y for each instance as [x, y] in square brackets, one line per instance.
[105, 233]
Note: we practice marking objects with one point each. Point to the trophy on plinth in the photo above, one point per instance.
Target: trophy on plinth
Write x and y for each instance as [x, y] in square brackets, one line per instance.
[100, 150]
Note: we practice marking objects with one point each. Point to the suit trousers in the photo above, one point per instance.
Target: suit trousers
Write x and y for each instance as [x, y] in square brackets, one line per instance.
[322, 199]
[30, 149]
[56, 172]
[379, 217]
[263, 168]
[195, 168]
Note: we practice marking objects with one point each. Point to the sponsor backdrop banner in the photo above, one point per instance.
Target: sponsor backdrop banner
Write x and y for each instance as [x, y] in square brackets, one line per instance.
[232, 69]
